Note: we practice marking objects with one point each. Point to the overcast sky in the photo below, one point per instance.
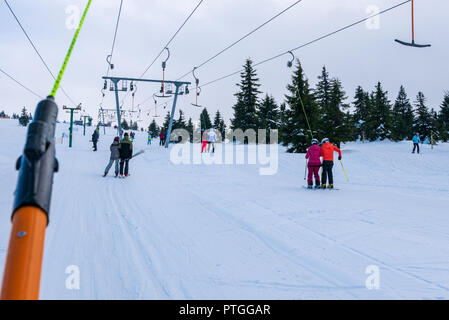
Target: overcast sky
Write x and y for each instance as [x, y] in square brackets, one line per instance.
[358, 56]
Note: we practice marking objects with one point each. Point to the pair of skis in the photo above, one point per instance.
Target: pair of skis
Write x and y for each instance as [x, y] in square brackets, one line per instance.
[305, 187]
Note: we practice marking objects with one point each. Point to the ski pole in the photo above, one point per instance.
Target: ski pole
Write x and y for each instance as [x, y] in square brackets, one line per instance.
[344, 170]
[305, 169]
[30, 217]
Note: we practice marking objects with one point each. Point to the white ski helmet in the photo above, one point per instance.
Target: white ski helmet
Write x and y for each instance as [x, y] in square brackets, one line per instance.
[314, 141]
[324, 140]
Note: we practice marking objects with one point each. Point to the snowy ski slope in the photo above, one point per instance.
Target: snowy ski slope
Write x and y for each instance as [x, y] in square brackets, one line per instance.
[225, 232]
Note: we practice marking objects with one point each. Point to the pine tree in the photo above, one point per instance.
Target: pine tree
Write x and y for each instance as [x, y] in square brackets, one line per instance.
[296, 135]
[443, 118]
[247, 99]
[125, 125]
[24, 119]
[166, 122]
[334, 123]
[206, 124]
[181, 122]
[378, 124]
[423, 122]
[323, 90]
[268, 115]
[220, 125]
[154, 130]
[361, 104]
[190, 129]
[402, 122]
[282, 119]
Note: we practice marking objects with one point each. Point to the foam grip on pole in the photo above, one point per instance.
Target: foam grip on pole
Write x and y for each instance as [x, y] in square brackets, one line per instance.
[21, 277]
[38, 163]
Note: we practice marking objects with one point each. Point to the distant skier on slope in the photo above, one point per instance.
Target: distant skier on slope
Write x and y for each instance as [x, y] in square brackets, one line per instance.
[115, 157]
[211, 141]
[416, 142]
[327, 152]
[149, 139]
[126, 153]
[161, 138]
[95, 137]
[204, 140]
[314, 164]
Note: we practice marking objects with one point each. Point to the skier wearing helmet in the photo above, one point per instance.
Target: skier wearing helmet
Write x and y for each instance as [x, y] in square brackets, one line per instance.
[327, 152]
[314, 164]
[115, 157]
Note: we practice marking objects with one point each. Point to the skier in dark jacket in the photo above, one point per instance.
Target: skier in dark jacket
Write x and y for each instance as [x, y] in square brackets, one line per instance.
[161, 138]
[126, 153]
[115, 157]
[95, 136]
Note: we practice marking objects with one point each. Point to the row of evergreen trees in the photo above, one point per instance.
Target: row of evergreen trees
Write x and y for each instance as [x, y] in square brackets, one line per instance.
[323, 111]
[205, 124]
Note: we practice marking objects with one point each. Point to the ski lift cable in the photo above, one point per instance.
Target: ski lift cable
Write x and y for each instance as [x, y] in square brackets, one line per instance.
[172, 38]
[242, 38]
[23, 86]
[37, 51]
[168, 43]
[115, 37]
[311, 42]
[109, 57]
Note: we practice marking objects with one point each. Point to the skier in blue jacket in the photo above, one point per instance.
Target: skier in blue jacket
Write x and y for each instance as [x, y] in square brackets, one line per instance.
[416, 142]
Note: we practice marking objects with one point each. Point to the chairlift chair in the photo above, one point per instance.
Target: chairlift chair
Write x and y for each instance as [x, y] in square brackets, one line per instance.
[163, 94]
[108, 59]
[290, 63]
[198, 89]
[413, 44]
[155, 108]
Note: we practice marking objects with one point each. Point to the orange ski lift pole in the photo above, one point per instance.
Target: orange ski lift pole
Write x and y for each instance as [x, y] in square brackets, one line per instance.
[413, 44]
[21, 278]
[164, 66]
[30, 216]
[197, 90]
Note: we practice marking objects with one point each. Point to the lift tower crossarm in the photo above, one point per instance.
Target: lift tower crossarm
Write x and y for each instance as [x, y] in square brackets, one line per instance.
[177, 84]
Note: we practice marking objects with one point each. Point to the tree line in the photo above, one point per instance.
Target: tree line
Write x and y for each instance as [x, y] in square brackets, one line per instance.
[322, 111]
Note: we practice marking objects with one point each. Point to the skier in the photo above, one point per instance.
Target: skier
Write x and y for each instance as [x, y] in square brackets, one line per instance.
[161, 138]
[126, 153]
[149, 139]
[204, 141]
[416, 142]
[95, 136]
[327, 152]
[314, 164]
[211, 141]
[115, 157]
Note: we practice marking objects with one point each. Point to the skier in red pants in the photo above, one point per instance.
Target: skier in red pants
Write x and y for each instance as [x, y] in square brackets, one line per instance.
[314, 164]
[204, 140]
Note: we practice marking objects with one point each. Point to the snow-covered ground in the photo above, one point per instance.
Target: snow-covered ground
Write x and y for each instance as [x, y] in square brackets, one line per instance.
[225, 232]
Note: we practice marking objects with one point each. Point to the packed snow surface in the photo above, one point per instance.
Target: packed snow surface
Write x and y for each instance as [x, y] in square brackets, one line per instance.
[225, 232]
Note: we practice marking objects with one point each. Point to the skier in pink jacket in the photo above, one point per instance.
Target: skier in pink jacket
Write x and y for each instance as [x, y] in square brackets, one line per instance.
[314, 164]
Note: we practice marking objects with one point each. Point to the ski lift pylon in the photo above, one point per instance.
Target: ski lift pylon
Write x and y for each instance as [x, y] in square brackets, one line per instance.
[413, 44]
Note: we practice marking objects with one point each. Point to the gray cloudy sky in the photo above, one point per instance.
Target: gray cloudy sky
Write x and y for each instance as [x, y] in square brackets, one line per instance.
[359, 56]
